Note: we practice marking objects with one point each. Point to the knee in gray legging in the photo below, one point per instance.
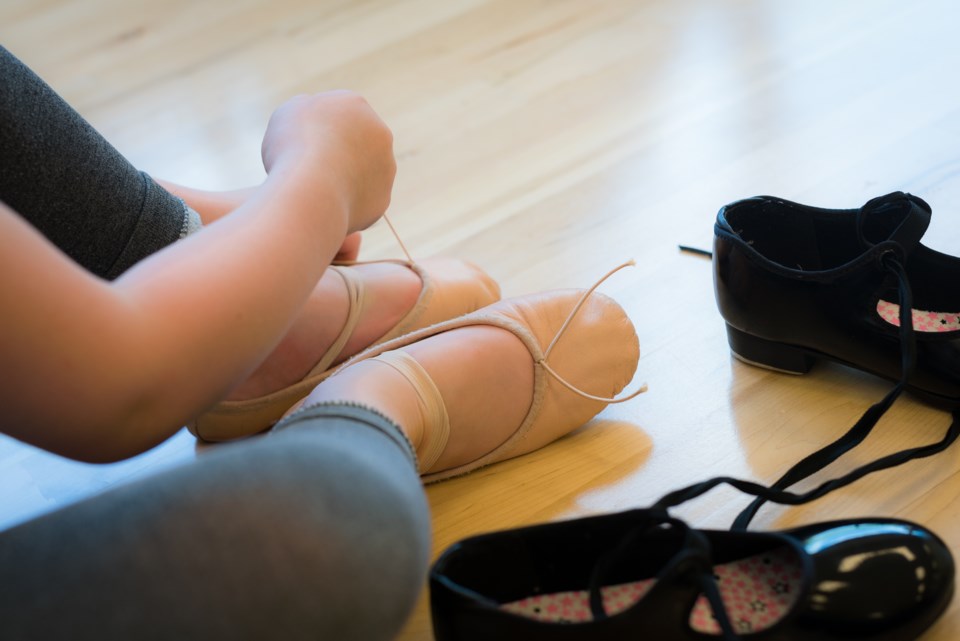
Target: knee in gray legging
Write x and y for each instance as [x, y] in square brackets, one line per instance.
[318, 532]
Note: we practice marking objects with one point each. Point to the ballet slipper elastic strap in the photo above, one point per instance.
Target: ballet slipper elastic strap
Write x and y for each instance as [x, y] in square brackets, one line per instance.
[563, 328]
[354, 311]
[433, 413]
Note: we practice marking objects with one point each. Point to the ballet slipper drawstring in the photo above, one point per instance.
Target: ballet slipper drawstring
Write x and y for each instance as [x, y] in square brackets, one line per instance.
[563, 328]
[400, 242]
[393, 230]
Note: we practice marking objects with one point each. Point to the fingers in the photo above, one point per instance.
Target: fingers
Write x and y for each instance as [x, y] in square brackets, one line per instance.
[336, 135]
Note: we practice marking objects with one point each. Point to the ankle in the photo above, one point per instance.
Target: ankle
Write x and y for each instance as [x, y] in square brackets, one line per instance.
[375, 385]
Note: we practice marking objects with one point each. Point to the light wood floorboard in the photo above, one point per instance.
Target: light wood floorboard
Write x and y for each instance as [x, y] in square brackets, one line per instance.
[548, 141]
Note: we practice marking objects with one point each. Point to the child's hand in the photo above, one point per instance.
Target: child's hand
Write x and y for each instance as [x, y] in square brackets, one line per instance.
[337, 138]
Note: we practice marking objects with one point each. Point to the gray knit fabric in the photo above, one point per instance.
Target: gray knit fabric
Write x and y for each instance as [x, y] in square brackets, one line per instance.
[319, 531]
[72, 185]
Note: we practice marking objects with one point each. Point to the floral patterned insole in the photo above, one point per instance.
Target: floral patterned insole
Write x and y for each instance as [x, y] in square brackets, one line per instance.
[757, 592]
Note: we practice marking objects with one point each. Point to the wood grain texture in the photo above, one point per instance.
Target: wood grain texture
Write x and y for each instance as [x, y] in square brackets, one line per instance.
[548, 141]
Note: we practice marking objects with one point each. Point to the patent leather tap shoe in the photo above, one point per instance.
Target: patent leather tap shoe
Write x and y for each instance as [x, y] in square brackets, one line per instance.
[796, 283]
[644, 575]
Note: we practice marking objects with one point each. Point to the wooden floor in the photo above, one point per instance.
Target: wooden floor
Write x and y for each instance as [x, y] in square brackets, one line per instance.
[548, 141]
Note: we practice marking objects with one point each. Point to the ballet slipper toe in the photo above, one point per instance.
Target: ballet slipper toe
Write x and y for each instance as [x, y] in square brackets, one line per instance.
[598, 354]
[584, 351]
[450, 288]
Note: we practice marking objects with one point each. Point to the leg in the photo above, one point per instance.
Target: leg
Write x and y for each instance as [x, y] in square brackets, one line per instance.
[72, 185]
[319, 530]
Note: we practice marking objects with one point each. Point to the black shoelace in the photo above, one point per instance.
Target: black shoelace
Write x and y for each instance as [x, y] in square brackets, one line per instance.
[693, 561]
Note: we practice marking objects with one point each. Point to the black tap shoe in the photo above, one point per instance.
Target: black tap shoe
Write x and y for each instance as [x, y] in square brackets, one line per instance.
[797, 283]
[644, 575]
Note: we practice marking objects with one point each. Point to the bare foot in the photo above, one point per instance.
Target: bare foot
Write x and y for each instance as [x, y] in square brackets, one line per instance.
[484, 375]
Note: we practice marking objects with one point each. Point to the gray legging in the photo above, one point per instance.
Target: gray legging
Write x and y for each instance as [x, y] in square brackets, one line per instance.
[318, 530]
